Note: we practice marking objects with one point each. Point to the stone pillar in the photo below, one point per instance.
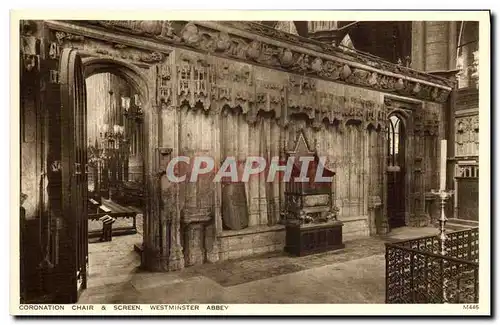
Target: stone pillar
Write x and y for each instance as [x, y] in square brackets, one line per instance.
[436, 45]
[214, 228]
[450, 172]
[253, 181]
[418, 45]
[274, 195]
[176, 255]
[366, 171]
[383, 227]
[155, 256]
[452, 45]
[196, 131]
[261, 178]
[162, 249]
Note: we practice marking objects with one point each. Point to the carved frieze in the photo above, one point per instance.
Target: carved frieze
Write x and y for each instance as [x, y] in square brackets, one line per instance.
[431, 122]
[100, 47]
[234, 85]
[63, 37]
[302, 96]
[374, 114]
[269, 97]
[333, 106]
[165, 84]
[199, 80]
[195, 77]
[354, 109]
[213, 41]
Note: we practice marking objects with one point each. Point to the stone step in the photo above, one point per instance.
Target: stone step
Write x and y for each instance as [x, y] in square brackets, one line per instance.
[458, 224]
[470, 223]
[456, 227]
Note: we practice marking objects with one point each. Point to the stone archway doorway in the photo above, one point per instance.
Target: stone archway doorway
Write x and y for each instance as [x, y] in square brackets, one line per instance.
[137, 117]
[69, 166]
[396, 171]
[116, 175]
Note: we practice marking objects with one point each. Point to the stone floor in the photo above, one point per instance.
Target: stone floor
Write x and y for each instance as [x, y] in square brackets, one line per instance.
[355, 274]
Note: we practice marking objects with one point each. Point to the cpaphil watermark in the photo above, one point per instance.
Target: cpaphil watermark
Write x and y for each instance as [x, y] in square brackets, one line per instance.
[302, 169]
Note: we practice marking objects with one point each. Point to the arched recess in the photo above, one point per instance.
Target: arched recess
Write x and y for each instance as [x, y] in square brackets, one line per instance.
[131, 73]
[399, 168]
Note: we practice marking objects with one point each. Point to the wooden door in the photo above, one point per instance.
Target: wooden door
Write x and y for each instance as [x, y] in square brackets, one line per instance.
[396, 198]
[68, 179]
[468, 192]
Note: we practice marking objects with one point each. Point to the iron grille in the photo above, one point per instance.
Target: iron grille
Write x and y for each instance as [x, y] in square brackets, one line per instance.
[416, 271]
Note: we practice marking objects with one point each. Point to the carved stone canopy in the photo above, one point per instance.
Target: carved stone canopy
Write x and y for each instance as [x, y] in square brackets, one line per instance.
[226, 77]
[301, 147]
[257, 43]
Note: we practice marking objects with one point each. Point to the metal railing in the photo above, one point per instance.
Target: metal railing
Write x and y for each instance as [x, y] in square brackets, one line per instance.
[416, 271]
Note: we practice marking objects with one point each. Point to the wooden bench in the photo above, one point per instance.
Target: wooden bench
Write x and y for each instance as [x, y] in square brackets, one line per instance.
[115, 211]
[94, 205]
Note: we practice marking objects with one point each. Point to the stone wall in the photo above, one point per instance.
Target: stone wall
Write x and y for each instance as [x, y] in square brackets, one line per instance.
[434, 45]
[220, 118]
[232, 94]
[222, 108]
[251, 241]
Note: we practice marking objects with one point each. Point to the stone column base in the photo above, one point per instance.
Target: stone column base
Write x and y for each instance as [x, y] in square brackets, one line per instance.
[176, 259]
[194, 221]
[211, 244]
[194, 244]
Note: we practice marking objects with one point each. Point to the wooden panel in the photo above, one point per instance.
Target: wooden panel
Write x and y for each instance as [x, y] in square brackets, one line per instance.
[468, 198]
[313, 238]
[396, 199]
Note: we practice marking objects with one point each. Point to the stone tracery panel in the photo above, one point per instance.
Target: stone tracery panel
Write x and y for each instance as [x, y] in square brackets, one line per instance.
[467, 135]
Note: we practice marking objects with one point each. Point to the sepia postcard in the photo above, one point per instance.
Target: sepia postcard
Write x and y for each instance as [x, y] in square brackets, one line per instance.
[250, 163]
